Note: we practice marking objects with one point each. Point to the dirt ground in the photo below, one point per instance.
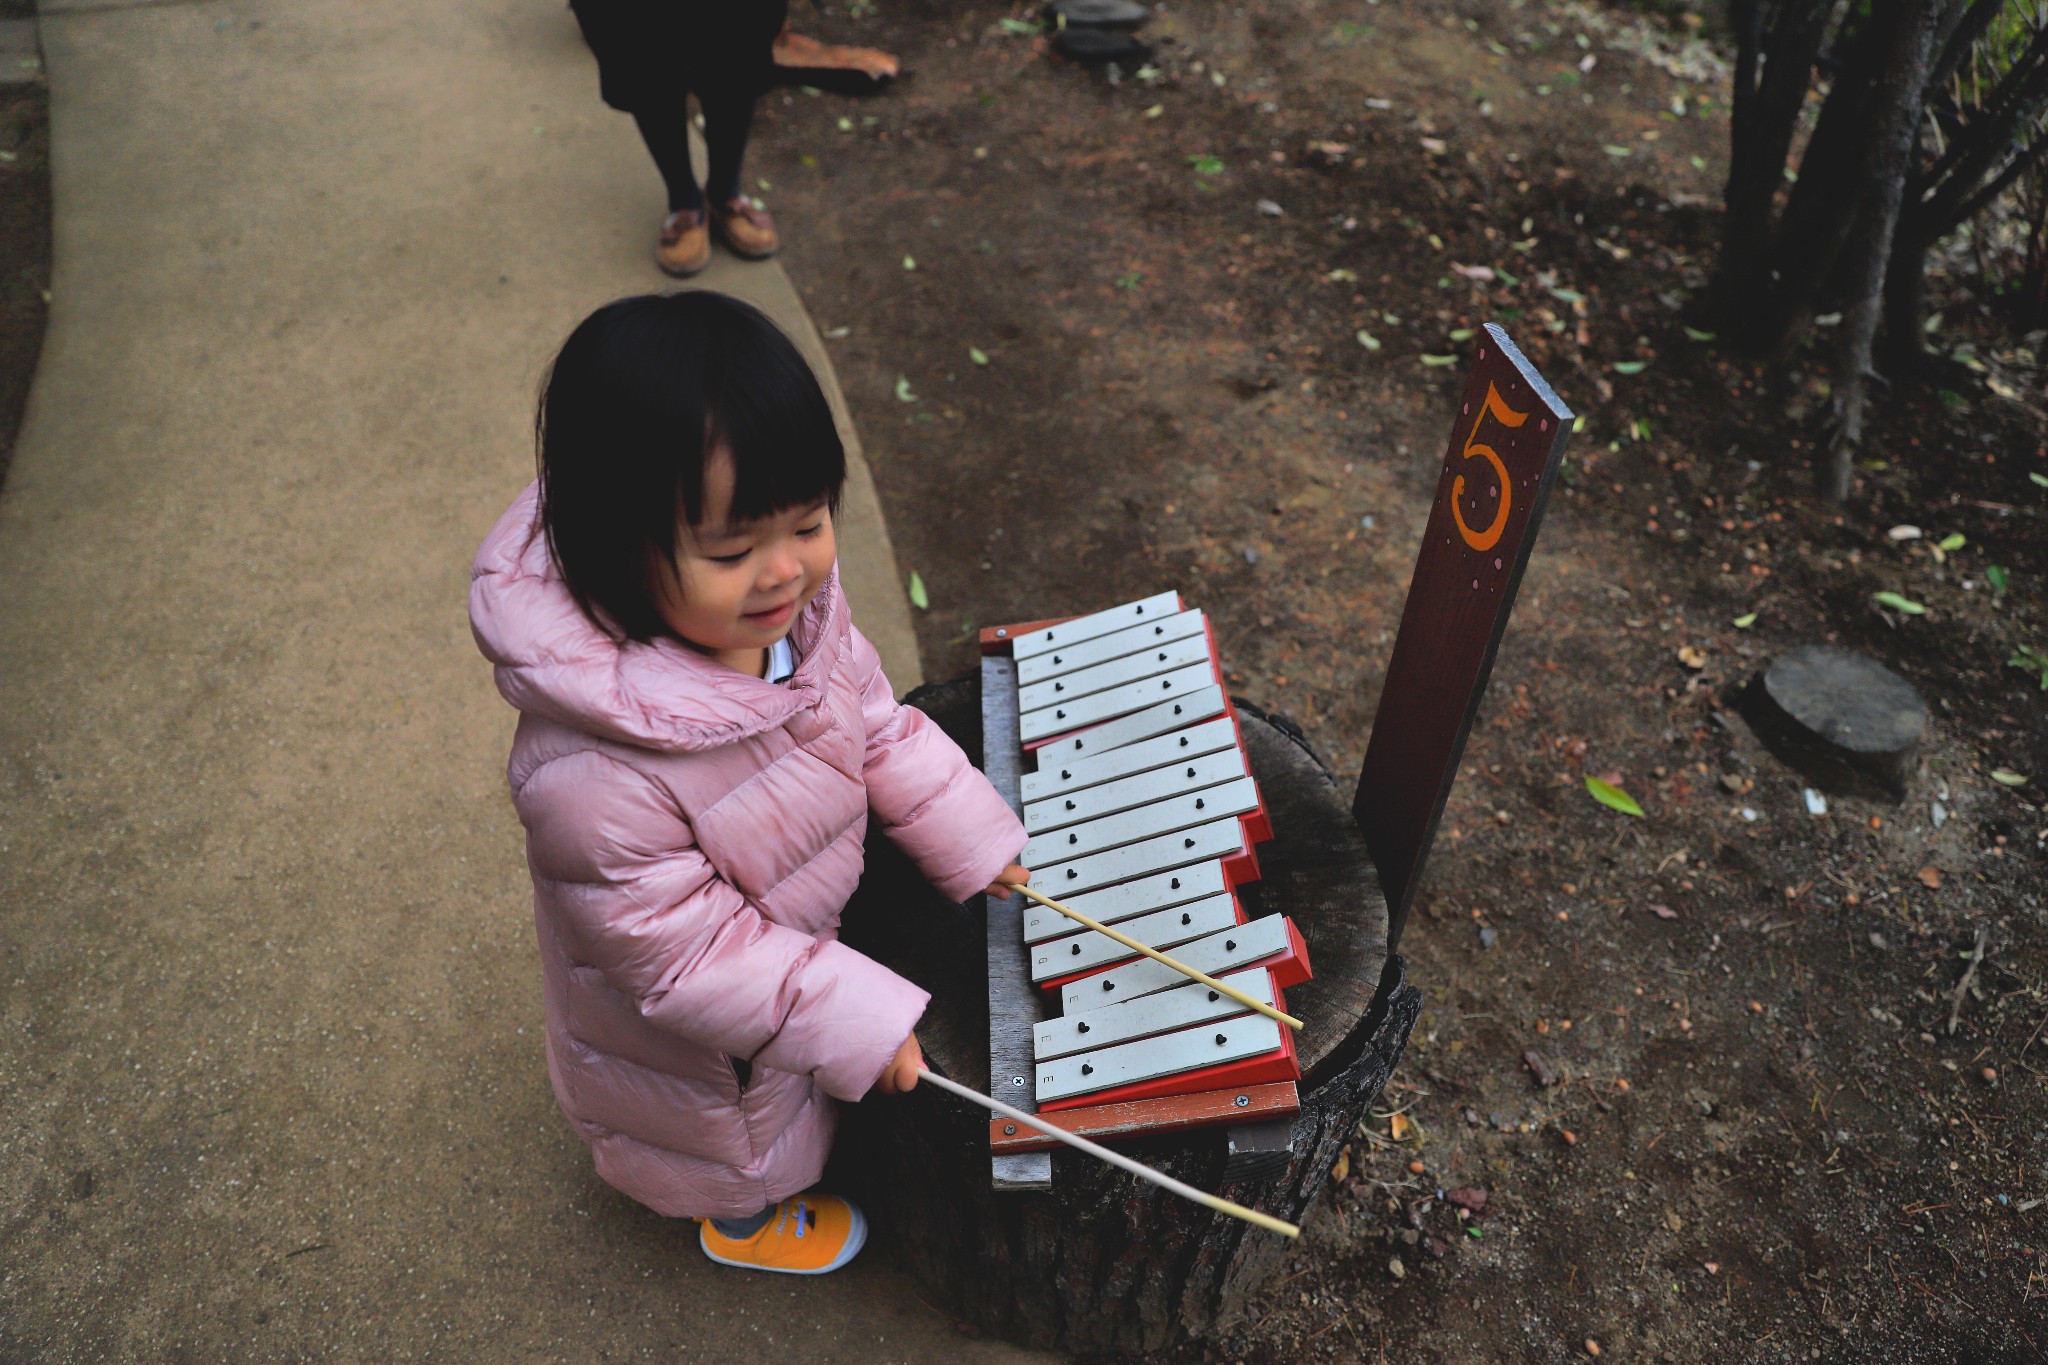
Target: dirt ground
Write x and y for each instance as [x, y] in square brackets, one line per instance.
[1689, 1080]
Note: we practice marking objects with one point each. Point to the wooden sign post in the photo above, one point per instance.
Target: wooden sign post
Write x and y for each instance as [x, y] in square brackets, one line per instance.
[1506, 442]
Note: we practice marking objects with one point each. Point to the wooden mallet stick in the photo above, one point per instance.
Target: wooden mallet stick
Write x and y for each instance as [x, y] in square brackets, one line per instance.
[1116, 1159]
[1211, 982]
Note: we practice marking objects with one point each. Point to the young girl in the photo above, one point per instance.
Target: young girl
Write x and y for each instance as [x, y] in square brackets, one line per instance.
[652, 55]
[703, 738]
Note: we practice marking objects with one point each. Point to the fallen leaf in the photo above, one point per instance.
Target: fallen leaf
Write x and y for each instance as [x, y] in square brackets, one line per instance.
[1398, 1125]
[1613, 797]
[2038, 480]
[1903, 533]
[1462, 334]
[1663, 912]
[1437, 362]
[1155, 111]
[1614, 151]
[1898, 603]
[1952, 542]
[1020, 28]
[1930, 877]
[2006, 777]
[1342, 276]
[1692, 657]
[1745, 621]
[1630, 366]
[977, 355]
[919, 598]
[1342, 1168]
[903, 393]
[837, 332]
[1697, 335]
[1368, 340]
[910, 262]
[1481, 273]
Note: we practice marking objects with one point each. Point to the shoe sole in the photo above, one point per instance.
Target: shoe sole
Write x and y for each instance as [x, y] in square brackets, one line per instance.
[855, 1240]
[675, 273]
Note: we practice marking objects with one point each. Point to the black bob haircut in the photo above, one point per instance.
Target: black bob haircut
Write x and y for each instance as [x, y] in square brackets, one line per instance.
[641, 393]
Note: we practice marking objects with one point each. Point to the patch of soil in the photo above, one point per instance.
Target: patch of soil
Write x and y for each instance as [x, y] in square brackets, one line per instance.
[1686, 1087]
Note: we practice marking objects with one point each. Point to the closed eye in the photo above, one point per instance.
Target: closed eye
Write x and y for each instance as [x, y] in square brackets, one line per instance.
[809, 532]
[729, 559]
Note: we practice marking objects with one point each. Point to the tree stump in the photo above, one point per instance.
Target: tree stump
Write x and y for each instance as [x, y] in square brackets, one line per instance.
[1104, 1262]
[1844, 720]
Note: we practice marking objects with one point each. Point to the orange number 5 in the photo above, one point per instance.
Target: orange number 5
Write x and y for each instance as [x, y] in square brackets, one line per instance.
[1507, 417]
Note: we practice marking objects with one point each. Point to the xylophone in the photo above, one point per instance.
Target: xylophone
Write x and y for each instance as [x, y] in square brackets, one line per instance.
[1116, 742]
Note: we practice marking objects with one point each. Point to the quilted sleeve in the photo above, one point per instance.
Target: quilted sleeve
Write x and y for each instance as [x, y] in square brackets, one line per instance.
[640, 902]
[934, 803]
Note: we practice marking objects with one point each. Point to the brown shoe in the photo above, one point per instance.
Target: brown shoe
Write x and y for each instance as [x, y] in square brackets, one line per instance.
[749, 231]
[685, 244]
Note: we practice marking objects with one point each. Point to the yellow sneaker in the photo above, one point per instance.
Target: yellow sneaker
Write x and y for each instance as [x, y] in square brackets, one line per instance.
[811, 1234]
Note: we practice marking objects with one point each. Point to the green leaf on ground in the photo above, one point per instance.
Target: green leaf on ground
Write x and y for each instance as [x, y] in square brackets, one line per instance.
[2006, 777]
[2039, 479]
[1439, 361]
[1462, 334]
[1368, 340]
[1898, 603]
[2031, 660]
[1342, 276]
[1021, 28]
[1995, 575]
[1697, 335]
[977, 355]
[909, 262]
[1155, 111]
[1952, 542]
[1205, 164]
[1745, 621]
[1630, 366]
[903, 391]
[919, 598]
[1613, 797]
[845, 125]
[1567, 296]
[1614, 151]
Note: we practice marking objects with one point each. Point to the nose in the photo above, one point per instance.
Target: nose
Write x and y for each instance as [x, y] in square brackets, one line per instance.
[781, 568]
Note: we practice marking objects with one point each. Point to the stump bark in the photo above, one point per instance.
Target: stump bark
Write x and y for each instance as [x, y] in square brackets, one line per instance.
[1104, 1262]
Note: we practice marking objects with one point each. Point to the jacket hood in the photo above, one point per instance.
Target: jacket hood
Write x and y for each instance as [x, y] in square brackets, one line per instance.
[551, 661]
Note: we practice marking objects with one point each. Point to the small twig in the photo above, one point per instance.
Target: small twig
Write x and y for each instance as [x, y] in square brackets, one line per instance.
[2036, 1034]
[1955, 1007]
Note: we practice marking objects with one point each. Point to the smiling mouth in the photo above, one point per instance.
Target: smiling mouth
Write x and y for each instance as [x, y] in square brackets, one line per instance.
[774, 616]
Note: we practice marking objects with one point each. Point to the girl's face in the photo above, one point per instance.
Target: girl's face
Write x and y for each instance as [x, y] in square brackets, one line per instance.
[737, 588]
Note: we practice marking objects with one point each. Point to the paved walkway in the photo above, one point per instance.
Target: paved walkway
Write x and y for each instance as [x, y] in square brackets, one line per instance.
[271, 1084]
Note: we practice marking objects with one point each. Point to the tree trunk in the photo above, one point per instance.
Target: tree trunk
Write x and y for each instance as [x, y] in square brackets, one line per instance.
[1905, 300]
[1773, 75]
[1897, 110]
[1103, 1262]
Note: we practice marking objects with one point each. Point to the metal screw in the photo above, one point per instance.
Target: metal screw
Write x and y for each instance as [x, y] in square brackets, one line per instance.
[1243, 1101]
[1009, 1129]
[1016, 1080]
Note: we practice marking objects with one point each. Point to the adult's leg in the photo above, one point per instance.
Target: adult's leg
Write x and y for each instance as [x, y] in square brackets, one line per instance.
[665, 128]
[728, 122]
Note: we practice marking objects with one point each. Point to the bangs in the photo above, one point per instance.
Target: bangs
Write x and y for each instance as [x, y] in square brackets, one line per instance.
[766, 408]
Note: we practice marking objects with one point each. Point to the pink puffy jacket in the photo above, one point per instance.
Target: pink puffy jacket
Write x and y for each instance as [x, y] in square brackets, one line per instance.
[693, 834]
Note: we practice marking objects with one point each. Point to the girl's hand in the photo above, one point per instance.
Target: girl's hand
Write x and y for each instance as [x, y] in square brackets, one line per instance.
[901, 1073]
[1016, 874]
